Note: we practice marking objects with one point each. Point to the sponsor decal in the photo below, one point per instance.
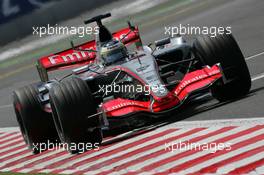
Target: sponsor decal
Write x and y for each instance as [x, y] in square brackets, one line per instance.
[71, 57]
[194, 79]
[124, 104]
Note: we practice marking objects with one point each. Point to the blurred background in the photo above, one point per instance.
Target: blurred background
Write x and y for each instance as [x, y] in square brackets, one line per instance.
[19, 49]
[18, 16]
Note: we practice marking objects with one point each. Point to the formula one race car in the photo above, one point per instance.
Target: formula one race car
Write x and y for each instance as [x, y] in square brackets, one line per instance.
[110, 86]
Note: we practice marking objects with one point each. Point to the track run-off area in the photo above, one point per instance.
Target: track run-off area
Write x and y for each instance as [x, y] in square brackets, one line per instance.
[220, 146]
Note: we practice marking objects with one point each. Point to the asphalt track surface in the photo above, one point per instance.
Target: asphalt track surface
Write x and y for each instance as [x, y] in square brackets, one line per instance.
[245, 17]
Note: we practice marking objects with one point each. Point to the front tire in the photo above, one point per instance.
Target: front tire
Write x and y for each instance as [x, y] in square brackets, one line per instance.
[224, 49]
[72, 102]
[36, 125]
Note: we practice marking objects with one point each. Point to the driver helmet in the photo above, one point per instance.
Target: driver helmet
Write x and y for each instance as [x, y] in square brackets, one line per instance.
[113, 51]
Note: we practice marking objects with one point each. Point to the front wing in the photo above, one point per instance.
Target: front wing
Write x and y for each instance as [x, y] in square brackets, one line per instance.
[192, 82]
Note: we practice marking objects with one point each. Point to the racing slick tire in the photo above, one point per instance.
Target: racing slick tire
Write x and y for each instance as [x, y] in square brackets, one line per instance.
[224, 49]
[36, 125]
[72, 102]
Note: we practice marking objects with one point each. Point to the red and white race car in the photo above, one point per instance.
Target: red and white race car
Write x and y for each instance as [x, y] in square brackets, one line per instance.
[112, 87]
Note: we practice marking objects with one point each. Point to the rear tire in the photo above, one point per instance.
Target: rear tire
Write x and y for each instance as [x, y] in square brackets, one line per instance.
[224, 49]
[36, 125]
[72, 102]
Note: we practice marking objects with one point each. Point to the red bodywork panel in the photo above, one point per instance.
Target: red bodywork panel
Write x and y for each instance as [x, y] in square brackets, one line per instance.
[191, 82]
[119, 107]
[70, 58]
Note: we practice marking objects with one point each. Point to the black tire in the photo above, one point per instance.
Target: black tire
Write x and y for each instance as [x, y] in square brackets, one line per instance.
[36, 125]
[72, 102]
[224, 49]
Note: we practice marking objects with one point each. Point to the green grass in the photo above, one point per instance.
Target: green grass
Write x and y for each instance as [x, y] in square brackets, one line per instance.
[10, 173]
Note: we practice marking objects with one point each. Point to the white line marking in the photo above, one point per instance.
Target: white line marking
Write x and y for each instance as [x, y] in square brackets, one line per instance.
[254, 173]
[257, 77]
[14, 159]
[188, 124]
[6, 106]
[9, 129]
[213, 123]
[14, 152]
[176, 152]
[122, 152]
[26, 170]
[114, 147]
[12, 147]
[260, 170]
[45, 171]
[94, 172]
[12, 141]
[10, 137]
[226, 155]
[206, 122]
[149, 152]
[118, 12]
[52, 161]
[69, 171]
[226, 169]
[237, 121]
[254, 56]
[20, 165]
[4, 134]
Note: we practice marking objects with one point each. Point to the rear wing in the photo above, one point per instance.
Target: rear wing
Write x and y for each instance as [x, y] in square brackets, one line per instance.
[71, 58]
